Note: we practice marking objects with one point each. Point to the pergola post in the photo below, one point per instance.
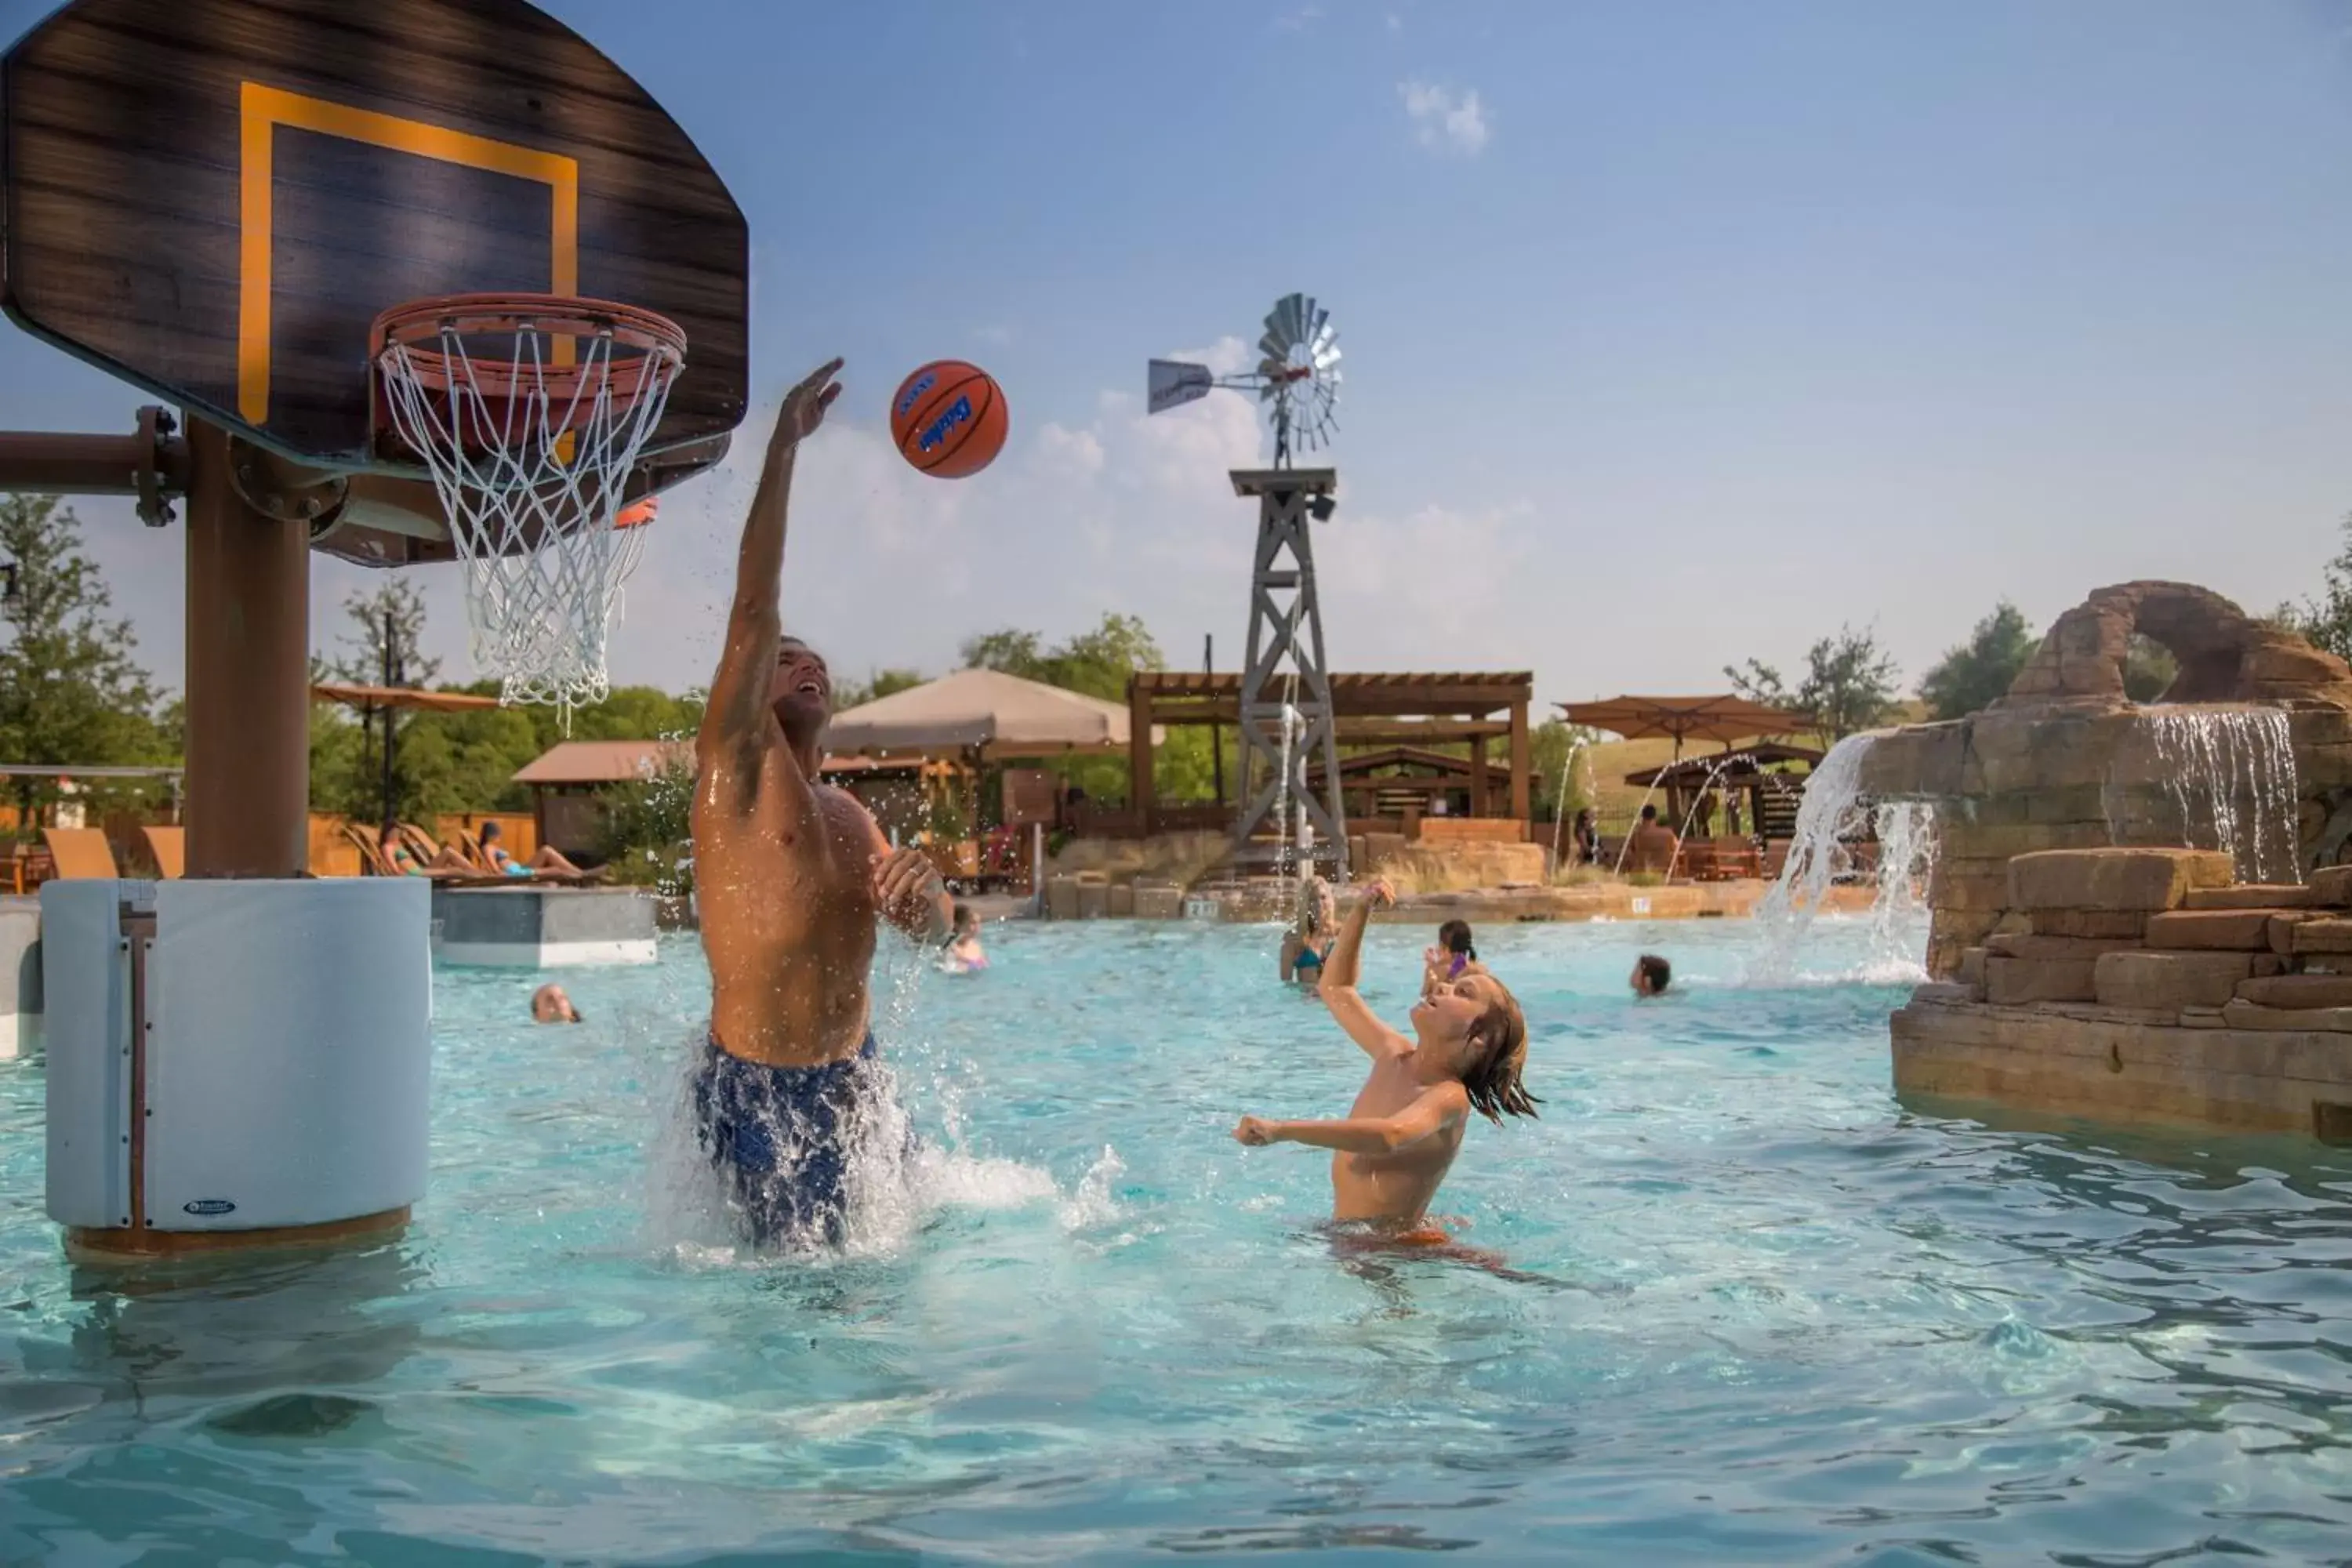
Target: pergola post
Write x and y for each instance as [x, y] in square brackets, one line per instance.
[1522, 802]
[1141, 791]
[1479, 794]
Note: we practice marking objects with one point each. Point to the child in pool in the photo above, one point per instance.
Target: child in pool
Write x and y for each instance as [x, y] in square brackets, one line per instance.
[1455, 955]
[1394, 1148]
[963, 954]
[1308, 941]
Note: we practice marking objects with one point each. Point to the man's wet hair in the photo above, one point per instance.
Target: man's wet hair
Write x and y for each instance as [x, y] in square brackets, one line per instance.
[1657, 971]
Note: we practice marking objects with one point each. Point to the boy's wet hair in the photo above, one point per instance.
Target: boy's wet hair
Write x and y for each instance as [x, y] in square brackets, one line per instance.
[1494, 1083]
[1453, 936]
[1654, 970]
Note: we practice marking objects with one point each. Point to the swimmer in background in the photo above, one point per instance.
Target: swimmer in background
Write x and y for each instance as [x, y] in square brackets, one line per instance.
[1392, 1150]
[550, 1004]
[963, 954]
[1307, 943]
[1651, 975]
[1455, 955]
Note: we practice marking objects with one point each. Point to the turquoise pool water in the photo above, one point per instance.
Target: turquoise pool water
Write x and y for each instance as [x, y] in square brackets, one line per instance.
[1799, 1323]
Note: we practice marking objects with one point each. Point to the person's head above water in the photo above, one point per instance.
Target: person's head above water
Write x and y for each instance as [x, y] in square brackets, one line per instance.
[1651, 974]
[966, 922]
[801, 692]
[1472, 1028]
[549, 1005]
[1319, 910]
[1648, 814]
[1453, 936]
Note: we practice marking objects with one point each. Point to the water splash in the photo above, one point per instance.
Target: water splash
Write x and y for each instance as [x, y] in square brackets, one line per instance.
[2230, 773]
[1834, 820]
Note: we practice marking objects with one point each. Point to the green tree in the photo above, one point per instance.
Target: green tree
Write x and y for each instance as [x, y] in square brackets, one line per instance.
[878, 684]
[1759, 682]
[2326, 621]
[71, 688]
[382, 646]
[2148, 668]
[1557, 793]
[1977, 673]
[1848, 685]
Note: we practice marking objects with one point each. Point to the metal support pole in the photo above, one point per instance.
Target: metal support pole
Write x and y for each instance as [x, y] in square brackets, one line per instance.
[248, 697]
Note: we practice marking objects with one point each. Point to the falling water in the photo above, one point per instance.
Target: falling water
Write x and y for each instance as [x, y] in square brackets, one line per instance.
[1682, 830]
[2232, 774]
[1282, 825]
[1560, 802]
[1832, 815]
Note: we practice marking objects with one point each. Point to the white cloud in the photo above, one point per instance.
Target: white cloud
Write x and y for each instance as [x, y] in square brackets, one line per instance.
[1444, 119]
[995, 334]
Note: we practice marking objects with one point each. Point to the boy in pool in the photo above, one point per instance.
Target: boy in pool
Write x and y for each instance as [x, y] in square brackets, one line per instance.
[1651, 975]
[1394, 1148]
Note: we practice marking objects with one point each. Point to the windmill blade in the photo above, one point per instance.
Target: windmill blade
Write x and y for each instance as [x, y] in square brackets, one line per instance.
[1174, 382]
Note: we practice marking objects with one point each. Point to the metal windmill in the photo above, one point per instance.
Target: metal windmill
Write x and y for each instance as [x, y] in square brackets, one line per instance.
[1286, 688]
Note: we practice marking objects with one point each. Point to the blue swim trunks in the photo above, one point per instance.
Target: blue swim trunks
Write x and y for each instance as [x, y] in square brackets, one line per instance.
[782, 1136]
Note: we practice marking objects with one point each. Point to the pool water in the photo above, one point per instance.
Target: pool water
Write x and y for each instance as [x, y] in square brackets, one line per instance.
[1781, 1318]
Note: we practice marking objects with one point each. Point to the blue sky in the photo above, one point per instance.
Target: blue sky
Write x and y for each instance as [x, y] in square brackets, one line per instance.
[1675, 332]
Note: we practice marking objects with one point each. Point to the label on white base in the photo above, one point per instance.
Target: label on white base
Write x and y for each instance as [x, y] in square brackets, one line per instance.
[1641, 906]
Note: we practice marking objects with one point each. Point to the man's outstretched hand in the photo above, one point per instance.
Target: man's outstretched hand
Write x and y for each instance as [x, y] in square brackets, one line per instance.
[908, 887]
[804, 404]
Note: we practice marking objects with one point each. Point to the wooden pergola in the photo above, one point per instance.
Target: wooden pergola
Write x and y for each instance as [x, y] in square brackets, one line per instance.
[1409, 710]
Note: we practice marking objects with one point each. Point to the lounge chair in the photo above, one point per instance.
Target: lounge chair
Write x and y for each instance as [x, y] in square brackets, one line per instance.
[81, 852]
[169, 846]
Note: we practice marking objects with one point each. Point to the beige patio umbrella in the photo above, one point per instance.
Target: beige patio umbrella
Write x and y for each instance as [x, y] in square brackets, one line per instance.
[1726, 718]
[983, 714]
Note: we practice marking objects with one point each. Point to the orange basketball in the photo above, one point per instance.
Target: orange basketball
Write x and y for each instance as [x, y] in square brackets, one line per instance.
[948, 418]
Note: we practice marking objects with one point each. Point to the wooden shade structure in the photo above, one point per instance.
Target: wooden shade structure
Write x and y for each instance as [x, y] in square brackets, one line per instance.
[1772, 796]
[1408, 710]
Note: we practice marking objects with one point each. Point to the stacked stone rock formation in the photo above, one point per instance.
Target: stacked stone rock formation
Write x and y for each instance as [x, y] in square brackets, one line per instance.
[2143, 985]
[2065, 762]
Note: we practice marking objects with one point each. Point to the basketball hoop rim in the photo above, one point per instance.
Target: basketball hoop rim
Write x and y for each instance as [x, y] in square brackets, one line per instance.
[418, 328]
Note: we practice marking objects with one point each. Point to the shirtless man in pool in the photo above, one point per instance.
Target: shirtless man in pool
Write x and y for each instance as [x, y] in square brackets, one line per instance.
[792, 875]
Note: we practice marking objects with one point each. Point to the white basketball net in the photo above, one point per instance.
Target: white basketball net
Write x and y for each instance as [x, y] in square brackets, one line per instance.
[531, 478]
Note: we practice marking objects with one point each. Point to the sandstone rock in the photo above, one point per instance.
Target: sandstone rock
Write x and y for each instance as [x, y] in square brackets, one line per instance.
[2055, 947]
[2268, 963]
[1972, 971]
[2121, 924]
[2298, 991]
[2236, 931]
[2146, 880]
[2322, 935]
[2332, 886]
[2283, 929]
[2169, 981]
[2253, 896]
[2240, 1015]
[2019, 981]
[1941, 995]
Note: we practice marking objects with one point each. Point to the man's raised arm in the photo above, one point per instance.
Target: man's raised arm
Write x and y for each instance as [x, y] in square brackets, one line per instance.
[737, 708]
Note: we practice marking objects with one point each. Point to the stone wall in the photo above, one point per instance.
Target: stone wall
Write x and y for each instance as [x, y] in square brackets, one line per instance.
[2065, 762]
[2144, 985]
